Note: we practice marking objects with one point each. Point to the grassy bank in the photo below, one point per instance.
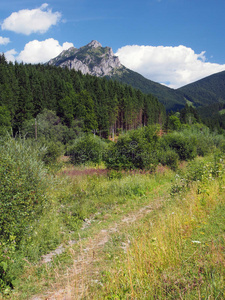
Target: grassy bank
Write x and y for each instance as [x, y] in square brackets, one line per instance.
[176, 252]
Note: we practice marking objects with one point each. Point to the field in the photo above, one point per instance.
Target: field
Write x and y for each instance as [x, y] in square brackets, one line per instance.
[143, 237]
[87, 232]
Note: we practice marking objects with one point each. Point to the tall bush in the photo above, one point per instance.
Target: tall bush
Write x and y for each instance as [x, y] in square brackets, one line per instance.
[185, 145]
[134, 150]
[22, 194]
[21, 187]
[168, 157]
[87, 148]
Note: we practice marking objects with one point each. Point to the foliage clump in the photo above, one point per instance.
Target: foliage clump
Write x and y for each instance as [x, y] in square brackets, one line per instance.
[23, 198]
[22, 186]
[184, 145]
[168, 157]
[134, 150]
[87, 148]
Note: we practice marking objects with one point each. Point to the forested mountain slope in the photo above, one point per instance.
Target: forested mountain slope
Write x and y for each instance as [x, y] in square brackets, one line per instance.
[170, 98]
[206, 91]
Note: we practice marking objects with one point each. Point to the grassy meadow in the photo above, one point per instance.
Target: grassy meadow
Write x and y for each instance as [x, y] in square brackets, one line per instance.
[90, 232]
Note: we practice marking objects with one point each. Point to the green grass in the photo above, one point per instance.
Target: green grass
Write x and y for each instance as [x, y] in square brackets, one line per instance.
[168, 241]
[104, 198]
[175, 253]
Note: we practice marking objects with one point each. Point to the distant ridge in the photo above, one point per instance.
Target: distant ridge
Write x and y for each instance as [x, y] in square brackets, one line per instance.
[100, 61]
[206, 91]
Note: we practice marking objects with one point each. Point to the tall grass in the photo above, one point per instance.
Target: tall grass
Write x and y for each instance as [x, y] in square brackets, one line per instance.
[103, 199]
[175, 253]
[171, 254]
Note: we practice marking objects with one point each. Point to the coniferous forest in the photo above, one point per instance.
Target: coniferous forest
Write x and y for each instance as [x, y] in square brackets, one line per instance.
[93, 104]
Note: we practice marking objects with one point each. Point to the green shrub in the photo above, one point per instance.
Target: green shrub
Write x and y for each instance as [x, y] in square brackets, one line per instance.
[134, 150]
[21, 187]
[7, 251]
[53, 152]
[169, 158]
[203, 146]
[22, 194]
[87, 148]
[113, 174]
[205, 141]
[201, 170]
[222, 146]
[184, 145]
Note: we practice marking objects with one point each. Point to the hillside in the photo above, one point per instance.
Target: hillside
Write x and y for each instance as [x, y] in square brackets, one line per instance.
[206, 91]
[170, 98]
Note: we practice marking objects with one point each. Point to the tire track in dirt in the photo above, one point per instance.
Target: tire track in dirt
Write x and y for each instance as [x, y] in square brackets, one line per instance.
[74, 283]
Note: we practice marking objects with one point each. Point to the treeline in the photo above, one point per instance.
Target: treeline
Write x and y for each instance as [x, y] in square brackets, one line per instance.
[96, 104]
[213, 115]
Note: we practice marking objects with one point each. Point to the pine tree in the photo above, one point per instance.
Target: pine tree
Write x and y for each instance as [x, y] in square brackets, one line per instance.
[84, 110]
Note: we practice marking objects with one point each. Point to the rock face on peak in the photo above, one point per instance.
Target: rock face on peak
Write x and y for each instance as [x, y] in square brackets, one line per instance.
[94, 44]
[91, 59]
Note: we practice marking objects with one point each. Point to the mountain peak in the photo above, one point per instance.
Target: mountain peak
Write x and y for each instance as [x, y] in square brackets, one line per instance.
[94, 44]
[91, 59]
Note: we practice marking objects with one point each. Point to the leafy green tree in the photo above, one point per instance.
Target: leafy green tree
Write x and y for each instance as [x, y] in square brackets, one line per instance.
[174, 123]
[50, 128]
[134, 150]
[87, 148]
[189, 115]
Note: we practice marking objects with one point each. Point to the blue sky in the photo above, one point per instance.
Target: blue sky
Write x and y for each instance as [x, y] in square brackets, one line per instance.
[173, 42]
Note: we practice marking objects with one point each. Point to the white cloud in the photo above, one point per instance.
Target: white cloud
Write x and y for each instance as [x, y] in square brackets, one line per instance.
[174, 66]
[10, 55]
[30, 21]
[41, 51]
[4, 40]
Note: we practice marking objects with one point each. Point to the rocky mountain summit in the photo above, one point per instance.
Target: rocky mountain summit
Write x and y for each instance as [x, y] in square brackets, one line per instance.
[91, 59]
